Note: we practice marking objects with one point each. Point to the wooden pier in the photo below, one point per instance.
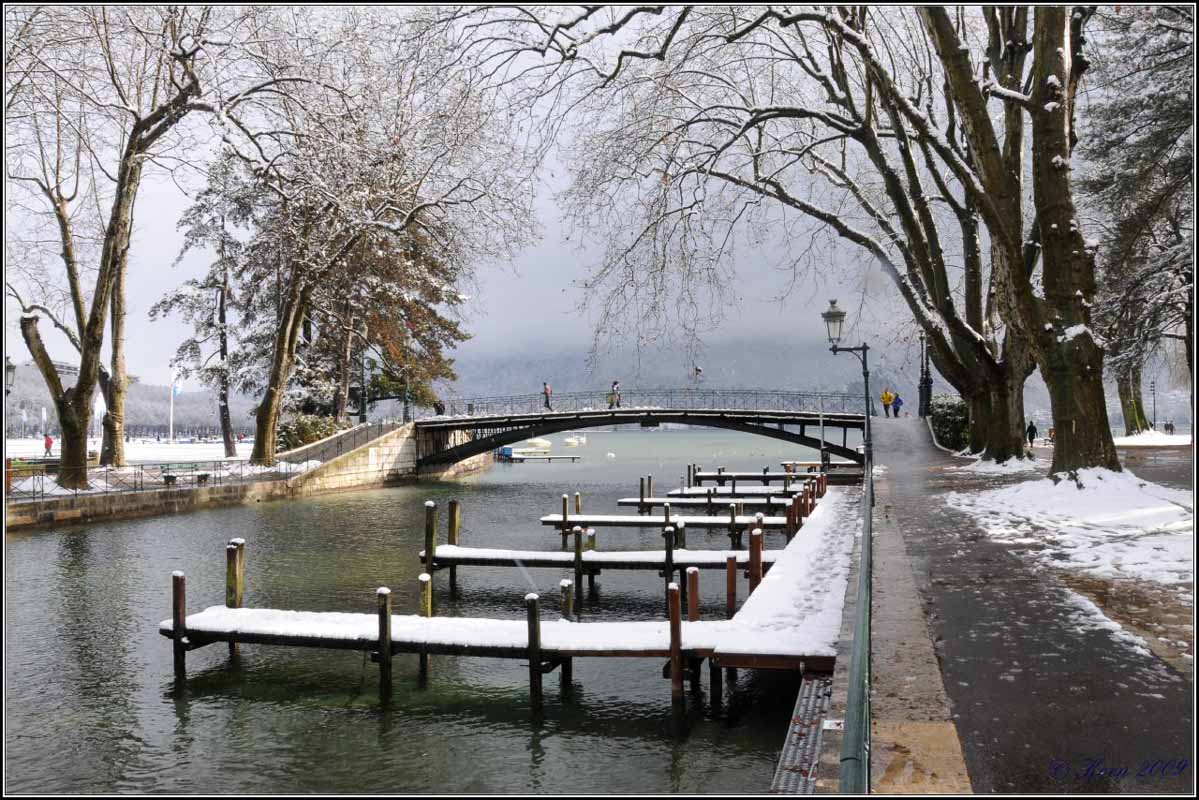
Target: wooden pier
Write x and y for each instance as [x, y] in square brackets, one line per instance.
[774, 628]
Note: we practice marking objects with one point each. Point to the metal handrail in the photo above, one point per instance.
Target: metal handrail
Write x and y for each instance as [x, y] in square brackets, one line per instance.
[855, 742]
[678, 398]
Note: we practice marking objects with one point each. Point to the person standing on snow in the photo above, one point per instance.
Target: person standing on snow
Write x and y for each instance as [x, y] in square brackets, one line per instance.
[1031, 432]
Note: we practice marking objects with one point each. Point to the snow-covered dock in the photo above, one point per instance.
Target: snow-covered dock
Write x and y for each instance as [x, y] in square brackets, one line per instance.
[446, 555]
[705, 501]
[790, 620]
[646, 521]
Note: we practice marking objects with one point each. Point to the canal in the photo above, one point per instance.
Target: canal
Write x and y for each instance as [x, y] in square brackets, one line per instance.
[91, 705]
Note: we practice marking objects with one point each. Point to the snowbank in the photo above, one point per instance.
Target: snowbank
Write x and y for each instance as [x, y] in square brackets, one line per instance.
[1153, 439]
[1115, 526]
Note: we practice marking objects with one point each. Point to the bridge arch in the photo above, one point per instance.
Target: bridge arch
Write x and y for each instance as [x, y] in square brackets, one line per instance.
[446, 441]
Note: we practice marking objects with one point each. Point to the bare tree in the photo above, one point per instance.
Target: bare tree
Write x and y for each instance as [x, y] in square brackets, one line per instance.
[96, 95]
[876, 124]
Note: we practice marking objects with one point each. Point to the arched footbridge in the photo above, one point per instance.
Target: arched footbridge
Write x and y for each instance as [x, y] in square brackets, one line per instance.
[470, 427]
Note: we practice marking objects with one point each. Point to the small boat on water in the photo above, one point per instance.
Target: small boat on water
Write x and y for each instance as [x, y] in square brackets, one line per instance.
[536, 444]
[575, 441]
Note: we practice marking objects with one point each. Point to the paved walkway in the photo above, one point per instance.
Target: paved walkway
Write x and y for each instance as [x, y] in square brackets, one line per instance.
[1044, 699]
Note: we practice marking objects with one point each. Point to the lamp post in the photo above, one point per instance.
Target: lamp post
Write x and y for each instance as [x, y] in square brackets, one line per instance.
[10, 375]
[926, 378]
[834, 319]
[1153, 391]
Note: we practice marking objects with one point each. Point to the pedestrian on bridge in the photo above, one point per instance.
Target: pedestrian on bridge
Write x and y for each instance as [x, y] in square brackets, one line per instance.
[614, 395]
[548, 392]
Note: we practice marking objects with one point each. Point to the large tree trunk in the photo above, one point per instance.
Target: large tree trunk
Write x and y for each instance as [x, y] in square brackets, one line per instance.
[112, 450]
[1128, 385]
[344, 356]
[1069, 357]
[292, 319]
[73, 419]
[978, 407]
[223, 386]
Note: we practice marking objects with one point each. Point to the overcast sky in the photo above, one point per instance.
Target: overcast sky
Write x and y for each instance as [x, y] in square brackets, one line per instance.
[530, 305]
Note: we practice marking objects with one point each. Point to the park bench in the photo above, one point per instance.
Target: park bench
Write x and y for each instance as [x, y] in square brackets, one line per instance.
[170, 479]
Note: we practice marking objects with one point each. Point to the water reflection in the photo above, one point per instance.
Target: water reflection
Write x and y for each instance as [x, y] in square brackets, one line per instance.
[88, 674]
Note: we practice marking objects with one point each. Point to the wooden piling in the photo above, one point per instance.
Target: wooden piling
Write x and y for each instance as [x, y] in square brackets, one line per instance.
[680, 535]
[455, 525]
[649, 485]
[765, 475]
[692, 594]
[641, 495]
[730, 587]
[232, 586]
[734, 534]
[578, 531]
[578, 504]
[568, 598]
[590, 544]
[426, 610]
[430, 534]
[668, 565]
[383, 595]
[533, 614]
[755, 559]
[676, 641]
[716, 690]
[565, 519]
[179, 623]
[591, 573]
[787, 481]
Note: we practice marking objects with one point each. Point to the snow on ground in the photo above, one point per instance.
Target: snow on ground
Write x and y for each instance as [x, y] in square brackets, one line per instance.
[146, 451]
[1153, 439]
[1115, 526]
[132, 478]
[1088, 616]
[1009, 467]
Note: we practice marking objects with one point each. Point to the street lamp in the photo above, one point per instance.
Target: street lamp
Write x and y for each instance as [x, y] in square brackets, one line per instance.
[834, 320]
[926, 378]
[10, 375]
[1153, 391]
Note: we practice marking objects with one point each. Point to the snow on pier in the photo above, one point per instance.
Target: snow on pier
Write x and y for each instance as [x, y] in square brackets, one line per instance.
[645, 521]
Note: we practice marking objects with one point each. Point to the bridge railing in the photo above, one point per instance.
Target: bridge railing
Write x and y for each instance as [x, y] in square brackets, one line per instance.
[695, 399]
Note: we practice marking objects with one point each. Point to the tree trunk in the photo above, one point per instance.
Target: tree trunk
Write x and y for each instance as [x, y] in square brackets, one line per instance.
[286, 340]
[223, 386]
[978, 407]
[73, 419]
[112, 450]
[1005, 432]
[1070, 359]
[344, 356]
[1128, 385]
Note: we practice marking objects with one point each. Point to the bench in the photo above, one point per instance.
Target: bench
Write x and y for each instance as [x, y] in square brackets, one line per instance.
[170, 479]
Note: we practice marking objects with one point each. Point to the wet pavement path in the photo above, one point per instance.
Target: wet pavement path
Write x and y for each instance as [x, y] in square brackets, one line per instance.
[1045, 699]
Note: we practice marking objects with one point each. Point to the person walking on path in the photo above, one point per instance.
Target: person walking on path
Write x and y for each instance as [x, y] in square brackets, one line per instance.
[614, 395]
[896, 404]
[886, 397]
[49, 443]
[1031, 432]
[548, 392]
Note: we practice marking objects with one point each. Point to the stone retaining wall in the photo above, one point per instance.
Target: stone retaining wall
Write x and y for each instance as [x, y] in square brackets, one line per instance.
[391, 459]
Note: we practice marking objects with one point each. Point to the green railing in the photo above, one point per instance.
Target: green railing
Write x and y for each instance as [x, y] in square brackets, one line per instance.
[855, 741]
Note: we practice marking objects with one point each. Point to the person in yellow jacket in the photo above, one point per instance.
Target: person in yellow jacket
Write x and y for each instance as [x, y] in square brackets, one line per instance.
[887, 397]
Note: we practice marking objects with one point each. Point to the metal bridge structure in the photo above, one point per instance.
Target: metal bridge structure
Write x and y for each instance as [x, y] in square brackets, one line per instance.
[821, 421]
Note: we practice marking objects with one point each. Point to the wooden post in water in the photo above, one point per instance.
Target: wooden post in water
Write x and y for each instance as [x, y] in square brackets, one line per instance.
[383, 594]
[730, 586]
[734, 534]
[799, 515]
[565, 519]
[430, 536]
[765, 475]
[649, 485]
[591, 573]
[734, 485]
[455, 525]
[668, 563]
[680, 539]
[179, 623]
[714, 680]
[567, 665]
[787, 481]
[692, 594]
[641, 494]
[578, 531]
[755, 559]
[578, 504]
[674, 610]
[534, 617]
[568, 598]
[233, 588]
[426, 610]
